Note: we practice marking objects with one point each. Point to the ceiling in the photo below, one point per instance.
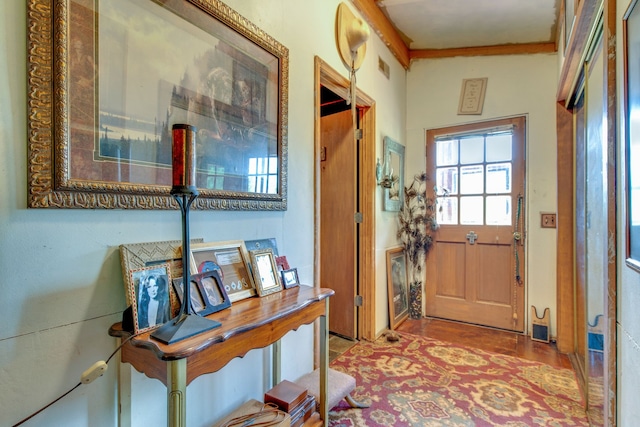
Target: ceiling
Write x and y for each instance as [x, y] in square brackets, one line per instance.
[428, 28]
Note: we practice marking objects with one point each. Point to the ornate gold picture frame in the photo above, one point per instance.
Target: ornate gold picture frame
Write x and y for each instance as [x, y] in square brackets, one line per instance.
[104, 90]
[265, 272]
[136, 256]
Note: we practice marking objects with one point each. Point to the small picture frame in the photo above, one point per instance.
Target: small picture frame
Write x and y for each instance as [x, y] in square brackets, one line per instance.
[282, 263]
[207, 293]
[231, 260]
[398, 287]
[149, 295]
[253, 245]
[265, 272]
[290, 278]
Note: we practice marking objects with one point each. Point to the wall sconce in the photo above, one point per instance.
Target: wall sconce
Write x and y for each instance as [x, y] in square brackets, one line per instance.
[384, 174]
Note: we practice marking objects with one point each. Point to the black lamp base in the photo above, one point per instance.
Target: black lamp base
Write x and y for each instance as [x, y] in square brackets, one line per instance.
[182, 327]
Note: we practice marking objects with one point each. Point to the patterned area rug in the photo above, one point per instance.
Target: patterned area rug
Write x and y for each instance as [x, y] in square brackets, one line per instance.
[419, 381]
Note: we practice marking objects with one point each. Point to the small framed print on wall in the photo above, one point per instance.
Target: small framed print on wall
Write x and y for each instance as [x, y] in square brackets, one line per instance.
[472, 96]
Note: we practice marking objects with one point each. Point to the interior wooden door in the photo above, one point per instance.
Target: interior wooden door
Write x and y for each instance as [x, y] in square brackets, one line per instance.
[475, 269]
[338, 229]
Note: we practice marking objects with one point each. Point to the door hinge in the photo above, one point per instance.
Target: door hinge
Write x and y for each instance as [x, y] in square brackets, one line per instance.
[357, 218]
[358, 301]
[323, 154]
[358, 134]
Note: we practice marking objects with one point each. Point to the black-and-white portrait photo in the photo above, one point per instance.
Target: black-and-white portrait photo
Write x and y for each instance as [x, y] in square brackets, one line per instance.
[152, 297]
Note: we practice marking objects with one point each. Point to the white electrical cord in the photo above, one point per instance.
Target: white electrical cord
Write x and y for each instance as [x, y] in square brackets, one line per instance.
[96, 370]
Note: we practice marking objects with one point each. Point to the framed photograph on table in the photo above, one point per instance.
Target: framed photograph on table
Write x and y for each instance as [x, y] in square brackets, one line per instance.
[398, 288]
[265, 272]
[149, 295]
[207, 293]
[230, 260]
[290, 278]
[134, 256]
[104, 93]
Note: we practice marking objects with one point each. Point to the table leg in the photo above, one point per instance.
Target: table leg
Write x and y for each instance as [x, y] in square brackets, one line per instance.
[277, 363]
[177, 393]
[324, 363]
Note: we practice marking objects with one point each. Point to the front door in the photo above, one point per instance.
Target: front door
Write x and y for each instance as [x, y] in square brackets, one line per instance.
[475, 269]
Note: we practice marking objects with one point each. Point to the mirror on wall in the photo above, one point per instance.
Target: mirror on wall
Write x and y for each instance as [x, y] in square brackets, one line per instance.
[391, 174]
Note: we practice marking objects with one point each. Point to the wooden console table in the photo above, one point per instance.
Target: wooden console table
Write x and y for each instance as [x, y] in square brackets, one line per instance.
[248, 324]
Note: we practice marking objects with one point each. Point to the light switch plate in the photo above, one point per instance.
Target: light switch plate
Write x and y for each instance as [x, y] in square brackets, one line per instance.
[548, 220]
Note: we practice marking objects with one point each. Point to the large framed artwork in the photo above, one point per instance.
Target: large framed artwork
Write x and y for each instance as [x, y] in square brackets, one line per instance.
[107, 81]
[631, 28]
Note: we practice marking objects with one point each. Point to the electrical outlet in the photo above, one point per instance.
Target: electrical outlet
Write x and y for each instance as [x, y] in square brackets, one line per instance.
[548, 220]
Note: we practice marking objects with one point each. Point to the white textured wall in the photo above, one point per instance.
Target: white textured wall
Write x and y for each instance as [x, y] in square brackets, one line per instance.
[517, 85]
[61, 281]
[628, 327]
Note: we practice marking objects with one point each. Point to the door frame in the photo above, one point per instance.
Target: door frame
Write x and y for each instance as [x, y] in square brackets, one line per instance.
[325, 75]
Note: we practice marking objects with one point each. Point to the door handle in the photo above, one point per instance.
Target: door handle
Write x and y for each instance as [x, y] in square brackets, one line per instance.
[471, 237]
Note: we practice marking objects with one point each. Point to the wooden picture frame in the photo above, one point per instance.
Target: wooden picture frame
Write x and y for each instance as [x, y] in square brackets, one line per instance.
[472, 96]
[394, 170]
[231, 260]
[148, 292]
[265, 272]
[207, 293]
[99, 131]
[397, 285]
[135, 256]
[631, 36]
[289, 278]
[282, 263]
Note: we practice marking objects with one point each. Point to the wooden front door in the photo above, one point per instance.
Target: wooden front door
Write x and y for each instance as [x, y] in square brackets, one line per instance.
[338, 232]
[475, 269]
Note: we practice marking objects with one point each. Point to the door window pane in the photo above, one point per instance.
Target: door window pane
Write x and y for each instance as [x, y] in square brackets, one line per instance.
[472, 150]
[499, 148]
[471, 179]
[447, 180]
[471, 210]
[498, 210]
[447, 210]
[499, 178]
[447, 152]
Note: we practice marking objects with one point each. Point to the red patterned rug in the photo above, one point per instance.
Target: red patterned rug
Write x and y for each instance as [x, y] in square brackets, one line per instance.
[419, 381]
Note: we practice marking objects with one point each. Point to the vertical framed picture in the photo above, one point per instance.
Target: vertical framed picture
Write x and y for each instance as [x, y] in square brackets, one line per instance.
[149, 295]
[290, 278]
[231, 261]
[393, 173]
[397, 285]
[631, 31]
[265, 272]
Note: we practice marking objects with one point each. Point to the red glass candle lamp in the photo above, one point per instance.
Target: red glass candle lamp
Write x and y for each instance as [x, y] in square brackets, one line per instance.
[186, 324]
